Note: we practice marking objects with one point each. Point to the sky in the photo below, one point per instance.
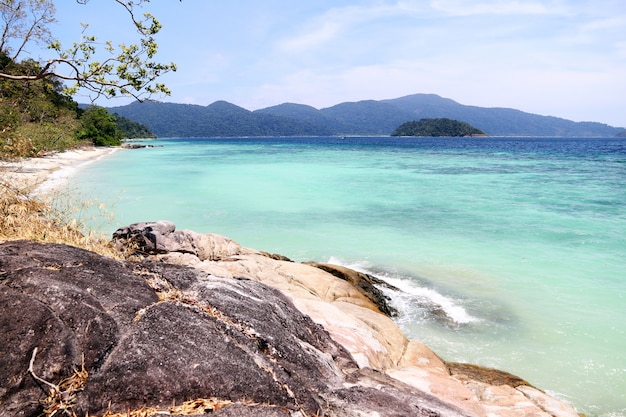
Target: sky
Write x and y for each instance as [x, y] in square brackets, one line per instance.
[563, 58]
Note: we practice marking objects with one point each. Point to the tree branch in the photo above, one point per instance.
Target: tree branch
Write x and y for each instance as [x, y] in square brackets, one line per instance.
[129, 70]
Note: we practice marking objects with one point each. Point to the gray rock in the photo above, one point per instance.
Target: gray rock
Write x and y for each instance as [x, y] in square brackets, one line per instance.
[161, 237]
[153, 334]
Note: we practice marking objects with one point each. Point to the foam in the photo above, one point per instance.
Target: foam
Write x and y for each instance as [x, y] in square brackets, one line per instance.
[411, 295]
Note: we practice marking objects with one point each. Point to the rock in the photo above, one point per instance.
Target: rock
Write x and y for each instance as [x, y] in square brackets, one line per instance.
[133, 146]
[276, 256]
[139, 146]
[78, 303]
[254, 410]
[343, 303]
[487, 375]
[551, 405]
[149, 335]
[365, 283]
[351, 318]
[161, 237]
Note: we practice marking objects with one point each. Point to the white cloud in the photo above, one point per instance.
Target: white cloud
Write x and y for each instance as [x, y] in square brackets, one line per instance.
[323, 29]
[493, 7]
[309, 40]
[574, 93]
[610, 28]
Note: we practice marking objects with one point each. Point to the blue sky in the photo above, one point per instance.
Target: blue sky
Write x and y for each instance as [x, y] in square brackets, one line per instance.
[564, 58]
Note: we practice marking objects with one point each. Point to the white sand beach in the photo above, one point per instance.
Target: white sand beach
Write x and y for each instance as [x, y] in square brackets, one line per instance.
[39, 175]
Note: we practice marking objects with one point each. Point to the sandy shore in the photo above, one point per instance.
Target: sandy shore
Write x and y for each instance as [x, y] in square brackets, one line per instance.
[39, 175]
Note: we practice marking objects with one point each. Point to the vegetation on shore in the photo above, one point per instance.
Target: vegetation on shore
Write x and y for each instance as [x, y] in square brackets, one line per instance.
[37, 112]
[437, 127]
[37, 118]
[51, 220]
[132, 129]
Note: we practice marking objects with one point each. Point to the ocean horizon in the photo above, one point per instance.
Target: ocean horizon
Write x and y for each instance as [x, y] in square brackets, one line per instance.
[508, 252]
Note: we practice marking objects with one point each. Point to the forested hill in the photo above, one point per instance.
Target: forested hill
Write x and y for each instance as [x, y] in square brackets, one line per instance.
[218, 119]
[369, 117]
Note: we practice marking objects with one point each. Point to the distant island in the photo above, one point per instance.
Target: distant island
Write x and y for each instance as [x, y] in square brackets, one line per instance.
[437, 127]
[368, 117]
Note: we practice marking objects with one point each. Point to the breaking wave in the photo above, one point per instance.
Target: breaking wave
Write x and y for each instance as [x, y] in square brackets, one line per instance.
[414, 300]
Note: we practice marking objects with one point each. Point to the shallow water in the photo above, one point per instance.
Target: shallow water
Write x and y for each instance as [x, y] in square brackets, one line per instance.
[511, 252]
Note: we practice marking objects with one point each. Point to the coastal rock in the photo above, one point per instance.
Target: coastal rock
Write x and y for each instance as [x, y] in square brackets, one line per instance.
[365, 283]
[334, 298]
[352, 318]
[138, 146]
[162, 237]
[103, 335]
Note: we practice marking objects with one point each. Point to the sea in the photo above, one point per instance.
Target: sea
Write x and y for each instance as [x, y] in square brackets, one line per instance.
[505, 252]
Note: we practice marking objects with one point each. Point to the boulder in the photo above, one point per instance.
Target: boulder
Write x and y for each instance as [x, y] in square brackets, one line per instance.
[84, 334]
[160, 237]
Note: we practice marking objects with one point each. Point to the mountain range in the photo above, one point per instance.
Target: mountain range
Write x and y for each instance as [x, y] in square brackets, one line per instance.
[368, 117]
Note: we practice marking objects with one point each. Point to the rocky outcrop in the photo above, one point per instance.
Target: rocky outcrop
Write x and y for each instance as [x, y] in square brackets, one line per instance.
[241, 333]
[342, 301]
[134, 336]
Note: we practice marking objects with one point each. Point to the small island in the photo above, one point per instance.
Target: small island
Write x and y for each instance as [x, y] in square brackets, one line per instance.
[437, 127]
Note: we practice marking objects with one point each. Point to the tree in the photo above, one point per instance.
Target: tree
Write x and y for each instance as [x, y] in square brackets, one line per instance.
[125, 70]
[99, 126]
[35, 116]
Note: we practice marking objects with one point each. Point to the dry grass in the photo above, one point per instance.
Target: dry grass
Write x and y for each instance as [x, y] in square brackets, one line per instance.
[50, 219]
[192, 407]
[62, 396]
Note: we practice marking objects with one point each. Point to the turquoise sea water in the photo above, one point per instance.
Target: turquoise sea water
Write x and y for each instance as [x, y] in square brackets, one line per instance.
[510, 252]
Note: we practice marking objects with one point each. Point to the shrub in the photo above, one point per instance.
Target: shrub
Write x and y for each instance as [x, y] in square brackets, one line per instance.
[99, 127]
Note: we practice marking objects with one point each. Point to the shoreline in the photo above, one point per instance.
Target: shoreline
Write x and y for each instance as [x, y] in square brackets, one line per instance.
[407, 361]
[36, 176]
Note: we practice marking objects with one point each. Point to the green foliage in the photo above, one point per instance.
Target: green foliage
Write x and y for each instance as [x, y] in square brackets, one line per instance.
[436, 127]
[37, 113]
[128, 69]
[132, 129]
[99, 126]
[50, 136]
[35, 117]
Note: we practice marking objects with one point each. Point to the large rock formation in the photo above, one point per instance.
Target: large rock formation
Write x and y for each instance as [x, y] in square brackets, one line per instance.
[242, 333]
[153, 335]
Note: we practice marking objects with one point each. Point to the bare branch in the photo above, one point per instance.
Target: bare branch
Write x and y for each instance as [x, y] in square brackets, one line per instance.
[34, 375]
[25, 21]
[37, 30]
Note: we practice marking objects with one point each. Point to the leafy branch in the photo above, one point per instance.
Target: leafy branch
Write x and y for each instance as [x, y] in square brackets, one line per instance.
[125, 70]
